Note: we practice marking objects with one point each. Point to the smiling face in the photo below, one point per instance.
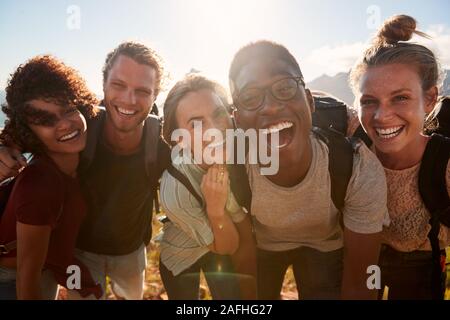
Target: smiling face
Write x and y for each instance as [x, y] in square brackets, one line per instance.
[129, 93]
[205, 107]
[393, 107]
[62, 130]
[291, 119]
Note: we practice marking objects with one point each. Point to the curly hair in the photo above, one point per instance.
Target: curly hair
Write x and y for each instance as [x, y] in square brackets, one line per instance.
[47, 78]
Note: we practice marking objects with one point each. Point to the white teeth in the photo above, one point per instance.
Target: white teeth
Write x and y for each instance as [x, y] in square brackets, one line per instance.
[277, 127]
[69, 136]
[388, 133]
[125, 111]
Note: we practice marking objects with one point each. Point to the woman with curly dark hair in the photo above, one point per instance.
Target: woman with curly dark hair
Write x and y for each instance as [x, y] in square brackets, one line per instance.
[46, 106]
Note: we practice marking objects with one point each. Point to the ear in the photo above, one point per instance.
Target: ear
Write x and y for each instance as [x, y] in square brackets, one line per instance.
[431, 97]
[310, 99]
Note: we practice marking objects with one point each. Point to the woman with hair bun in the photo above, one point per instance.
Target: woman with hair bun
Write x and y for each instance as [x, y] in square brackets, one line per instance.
[396, 85]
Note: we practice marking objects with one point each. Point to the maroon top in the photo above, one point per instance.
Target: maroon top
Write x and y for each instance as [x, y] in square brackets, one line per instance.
[43, 195]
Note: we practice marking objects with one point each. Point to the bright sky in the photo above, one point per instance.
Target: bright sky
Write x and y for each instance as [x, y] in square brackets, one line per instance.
[326, 36]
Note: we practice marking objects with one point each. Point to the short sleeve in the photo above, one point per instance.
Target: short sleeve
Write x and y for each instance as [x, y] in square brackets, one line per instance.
[38, 196]
[365, 208]
[184, 211]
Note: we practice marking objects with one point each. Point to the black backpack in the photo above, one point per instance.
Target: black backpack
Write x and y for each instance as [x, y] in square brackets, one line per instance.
[432, 184]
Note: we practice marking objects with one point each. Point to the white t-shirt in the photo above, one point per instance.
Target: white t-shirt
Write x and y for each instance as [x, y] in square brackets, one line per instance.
[304, 215]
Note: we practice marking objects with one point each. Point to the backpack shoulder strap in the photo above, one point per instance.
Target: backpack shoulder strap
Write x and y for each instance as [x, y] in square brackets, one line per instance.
[340, 163]
[432, 175]
[156, 155]
[240, 185]
[185, 182]
[239, 181]
[95, 126]
[433, 190]
[362, 135]
[152, 134]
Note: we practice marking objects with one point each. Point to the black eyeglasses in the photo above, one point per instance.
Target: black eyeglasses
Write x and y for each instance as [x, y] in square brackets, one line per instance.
[283, 90]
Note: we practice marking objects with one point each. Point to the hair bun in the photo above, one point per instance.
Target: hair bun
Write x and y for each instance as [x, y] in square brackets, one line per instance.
[397, 28]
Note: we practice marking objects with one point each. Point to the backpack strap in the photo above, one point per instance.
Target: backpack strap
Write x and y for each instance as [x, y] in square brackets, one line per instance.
[432, 178]
[340, 163]
[433, 190]
[157, 155]
[239, 181]
[240, 186]
[94, 131]
[361, 134]
[185, 182]
[152, 134]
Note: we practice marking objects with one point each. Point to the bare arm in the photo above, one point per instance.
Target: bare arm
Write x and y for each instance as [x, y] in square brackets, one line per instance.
[244, 259]
[360, 251]
[32, 246]
[215, 191]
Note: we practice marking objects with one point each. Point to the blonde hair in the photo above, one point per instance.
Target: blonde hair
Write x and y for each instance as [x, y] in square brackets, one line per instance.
[191, 83]
[387, 49]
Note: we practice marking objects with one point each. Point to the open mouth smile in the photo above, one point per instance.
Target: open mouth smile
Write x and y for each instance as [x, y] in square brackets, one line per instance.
[126, 112]
[389, 133]
[285, 130]
[70, 136]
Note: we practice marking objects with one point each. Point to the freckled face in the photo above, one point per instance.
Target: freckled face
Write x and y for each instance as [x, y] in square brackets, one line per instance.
[393, 107]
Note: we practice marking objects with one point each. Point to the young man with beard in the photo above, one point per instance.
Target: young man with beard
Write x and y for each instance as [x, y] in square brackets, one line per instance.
[113, 238]
[295, 218]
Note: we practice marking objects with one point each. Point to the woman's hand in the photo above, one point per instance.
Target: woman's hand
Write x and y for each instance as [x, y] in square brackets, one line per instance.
[215, 190]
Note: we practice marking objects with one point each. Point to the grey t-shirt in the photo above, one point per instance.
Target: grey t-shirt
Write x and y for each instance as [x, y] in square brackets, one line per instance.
[304, 215]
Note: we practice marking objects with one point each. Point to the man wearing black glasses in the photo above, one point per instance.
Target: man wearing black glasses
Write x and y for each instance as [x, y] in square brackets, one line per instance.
[295, 213]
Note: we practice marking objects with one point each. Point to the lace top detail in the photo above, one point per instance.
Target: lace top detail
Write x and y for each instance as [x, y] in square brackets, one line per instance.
[409, 227]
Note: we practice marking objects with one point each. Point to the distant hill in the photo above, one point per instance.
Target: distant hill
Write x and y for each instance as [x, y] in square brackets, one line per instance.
[339, 87]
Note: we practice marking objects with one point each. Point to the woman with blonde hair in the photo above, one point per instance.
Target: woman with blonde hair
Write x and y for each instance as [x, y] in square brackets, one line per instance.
[207, 230]
[396, 85]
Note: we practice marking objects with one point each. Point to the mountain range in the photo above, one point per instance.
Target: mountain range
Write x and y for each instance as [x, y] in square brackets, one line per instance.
[336, 85]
